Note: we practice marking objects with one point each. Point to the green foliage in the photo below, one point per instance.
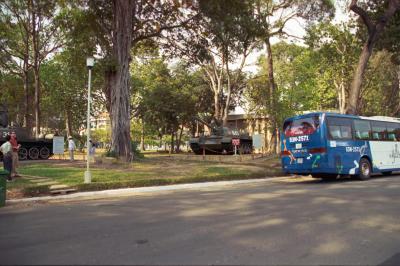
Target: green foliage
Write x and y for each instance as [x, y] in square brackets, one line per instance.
[381, 87]
[101, 135]
[135, 149]
[110, 153]
[337, 50]
[166, 98]
[296, 76]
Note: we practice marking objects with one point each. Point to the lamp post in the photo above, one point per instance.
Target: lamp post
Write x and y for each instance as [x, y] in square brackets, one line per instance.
[88, 174]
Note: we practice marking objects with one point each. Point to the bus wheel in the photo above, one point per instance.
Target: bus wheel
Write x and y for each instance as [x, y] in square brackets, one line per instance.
[387, 173]
[365, 169]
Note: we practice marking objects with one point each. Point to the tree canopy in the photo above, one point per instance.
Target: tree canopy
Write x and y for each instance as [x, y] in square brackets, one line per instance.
[159, 63]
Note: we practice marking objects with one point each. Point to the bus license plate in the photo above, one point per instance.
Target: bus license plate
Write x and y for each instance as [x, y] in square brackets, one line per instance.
[299, 160]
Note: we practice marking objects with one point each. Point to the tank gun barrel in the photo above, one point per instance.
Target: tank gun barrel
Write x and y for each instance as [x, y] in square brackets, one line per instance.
[204, 123]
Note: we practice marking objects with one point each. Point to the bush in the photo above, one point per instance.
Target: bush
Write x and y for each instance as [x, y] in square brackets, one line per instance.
[136, 150]
[110, 153]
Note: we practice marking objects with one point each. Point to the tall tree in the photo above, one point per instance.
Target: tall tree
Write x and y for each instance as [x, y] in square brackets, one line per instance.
[45, 38]
[15, 29]
[122, 25]
[167, 99]
[375, 24]
[218, 42]
[379, 93]
[120, 80]
[272, 19]
[338, 50]
[389, 41]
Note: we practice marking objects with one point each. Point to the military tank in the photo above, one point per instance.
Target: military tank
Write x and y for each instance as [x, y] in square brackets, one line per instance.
[220, 140]
[31, 148]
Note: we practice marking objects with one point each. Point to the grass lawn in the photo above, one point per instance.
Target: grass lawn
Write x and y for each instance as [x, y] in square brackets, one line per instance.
[152, 170]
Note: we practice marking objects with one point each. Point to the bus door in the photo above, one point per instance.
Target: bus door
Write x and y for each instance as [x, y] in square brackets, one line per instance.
[384, 147]
[380, 148]
[341, 146]
[301, 138]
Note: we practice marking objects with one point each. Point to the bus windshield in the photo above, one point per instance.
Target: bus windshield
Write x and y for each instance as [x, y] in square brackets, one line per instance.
[303, 126]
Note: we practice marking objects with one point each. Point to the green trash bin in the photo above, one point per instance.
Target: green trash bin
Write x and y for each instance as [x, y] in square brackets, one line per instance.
[3, 182]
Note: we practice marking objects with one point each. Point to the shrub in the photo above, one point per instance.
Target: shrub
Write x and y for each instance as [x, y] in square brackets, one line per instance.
[110, 153]
[136, 150]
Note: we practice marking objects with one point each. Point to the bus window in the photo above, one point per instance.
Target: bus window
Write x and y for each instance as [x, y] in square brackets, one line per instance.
[339, 128]
[362, 129]
[378, 130]
[303, 126]
[393, 131]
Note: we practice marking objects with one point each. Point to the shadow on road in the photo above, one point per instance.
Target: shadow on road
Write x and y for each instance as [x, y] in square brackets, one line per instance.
[393, 260]
[343, 179]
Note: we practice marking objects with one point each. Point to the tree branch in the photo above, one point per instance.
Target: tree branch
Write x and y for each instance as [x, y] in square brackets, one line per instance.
[283, 23]
[161, 29]
[363, 15]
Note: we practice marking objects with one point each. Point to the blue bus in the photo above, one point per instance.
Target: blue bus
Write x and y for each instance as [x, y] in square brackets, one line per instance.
[328, 145]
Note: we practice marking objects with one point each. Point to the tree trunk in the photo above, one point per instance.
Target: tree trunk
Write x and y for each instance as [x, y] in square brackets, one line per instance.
[272, 98]
[25, 73]
[374, 30]
[171, 149]
[358, 76]
[68, 121]
[120, 85]
[25, 68]
[35, 19]
[109, 78]
[215, 78]
[179, 142]
[343, 98]
[37, 101]
[26, 122]
[397, 96]
[342, 93]
[142, 137]
[228, 96]
[216, 106]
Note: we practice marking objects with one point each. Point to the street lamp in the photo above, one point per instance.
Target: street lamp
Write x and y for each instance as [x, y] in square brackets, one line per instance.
[88, 174]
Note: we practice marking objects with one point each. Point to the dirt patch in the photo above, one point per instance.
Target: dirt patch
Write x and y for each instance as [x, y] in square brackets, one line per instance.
[14, 194]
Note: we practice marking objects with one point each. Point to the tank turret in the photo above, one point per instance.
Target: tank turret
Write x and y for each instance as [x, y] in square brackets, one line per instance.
[220, 139]
[31, 148]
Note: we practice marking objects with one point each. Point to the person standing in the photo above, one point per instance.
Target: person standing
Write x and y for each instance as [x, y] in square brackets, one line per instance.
[71, 148]
[92, 150]
[15, 160]
[6, 149]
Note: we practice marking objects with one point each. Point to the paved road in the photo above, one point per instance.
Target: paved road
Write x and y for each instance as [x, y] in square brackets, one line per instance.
[281, 222]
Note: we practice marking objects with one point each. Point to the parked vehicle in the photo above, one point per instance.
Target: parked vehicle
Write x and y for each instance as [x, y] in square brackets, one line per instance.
[326, 145]
[31, 148]
[220, 140]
